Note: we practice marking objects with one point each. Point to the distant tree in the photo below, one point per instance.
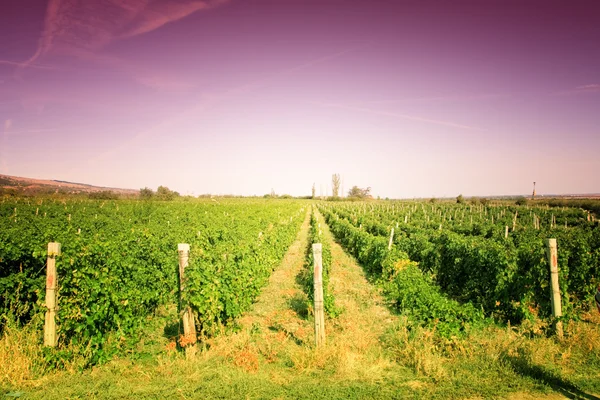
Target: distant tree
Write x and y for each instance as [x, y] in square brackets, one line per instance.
[460, 199]
[521, 201]
[475, 200]
[146, 193]
[314, 191]
[484, 201]
[164, 193]
[335, 185]
[433, 200]
[358, 193]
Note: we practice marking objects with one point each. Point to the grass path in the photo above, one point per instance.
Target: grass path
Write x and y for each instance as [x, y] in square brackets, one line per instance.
[356, 333]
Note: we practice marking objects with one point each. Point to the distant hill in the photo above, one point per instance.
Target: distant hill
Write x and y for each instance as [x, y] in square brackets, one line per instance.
[38, 186]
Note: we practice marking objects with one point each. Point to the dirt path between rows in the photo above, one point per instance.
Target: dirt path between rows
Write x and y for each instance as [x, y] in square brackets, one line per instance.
[280, 330]
[364, 318]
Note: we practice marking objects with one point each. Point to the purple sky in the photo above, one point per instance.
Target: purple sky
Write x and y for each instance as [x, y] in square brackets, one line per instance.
[412, 98]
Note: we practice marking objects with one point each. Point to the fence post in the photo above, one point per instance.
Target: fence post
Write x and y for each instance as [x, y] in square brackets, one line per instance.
[555, 289]
[188, 341]
[51, 286]
[391, 239]
[318, 295]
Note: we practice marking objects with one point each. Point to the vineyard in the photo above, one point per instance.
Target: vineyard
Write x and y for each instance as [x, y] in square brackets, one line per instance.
[119, 263]
[406, 285]
[454, 265]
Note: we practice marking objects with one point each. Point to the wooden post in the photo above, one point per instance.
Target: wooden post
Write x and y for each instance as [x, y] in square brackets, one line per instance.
[505, 231]
[51, 286]
[555, 289]
[391, 239]
[188, 341]
[318, 295]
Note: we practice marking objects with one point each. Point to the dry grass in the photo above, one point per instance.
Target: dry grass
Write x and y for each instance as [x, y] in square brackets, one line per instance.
[19, 355]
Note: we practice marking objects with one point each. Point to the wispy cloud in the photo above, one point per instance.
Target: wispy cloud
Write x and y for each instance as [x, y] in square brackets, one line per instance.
[27, 64]
[158, 13]
[29, 131]
[83, 27]
[583, 89]
[142, 75]
[399, 115]
[208, 101]
[594, 87]
[8, 131]
[437, 99]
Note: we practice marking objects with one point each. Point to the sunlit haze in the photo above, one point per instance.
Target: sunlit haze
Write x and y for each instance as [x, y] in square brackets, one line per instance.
[411, 98]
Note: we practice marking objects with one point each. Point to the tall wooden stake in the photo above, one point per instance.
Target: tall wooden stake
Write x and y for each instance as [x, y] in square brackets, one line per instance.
[391, 239]
[555, 289]
[318, 295]
[188, 341]
[51, 286]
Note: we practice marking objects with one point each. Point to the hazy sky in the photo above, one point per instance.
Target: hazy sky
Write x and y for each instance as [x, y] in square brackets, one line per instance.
[412, 98]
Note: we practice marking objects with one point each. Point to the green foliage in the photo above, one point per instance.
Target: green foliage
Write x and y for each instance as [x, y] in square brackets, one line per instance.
[223, 282]
[472, 261]
[146, 193]
[335, 185]
[592, 205]
[357, 193]
[521, 201]
[164, 193]
[119, 263]
[460, 199]
[103, 195]
[306, 277]
[411, 291]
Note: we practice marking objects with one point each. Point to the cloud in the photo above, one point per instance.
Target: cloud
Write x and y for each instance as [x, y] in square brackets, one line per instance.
[91, 25]
[83, 27]
[27, 64]
[583, 89]
[140, 74]
[29, 131]
[7, 124]
[439, 99]
[158, 13]
[207, 101]
[399, 115]
[594, 87]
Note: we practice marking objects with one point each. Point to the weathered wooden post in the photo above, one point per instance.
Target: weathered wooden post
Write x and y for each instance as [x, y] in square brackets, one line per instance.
[189, 327]
[318, 295]
[505, 231]
[51, 287]
[554, 286]
[391, 239]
